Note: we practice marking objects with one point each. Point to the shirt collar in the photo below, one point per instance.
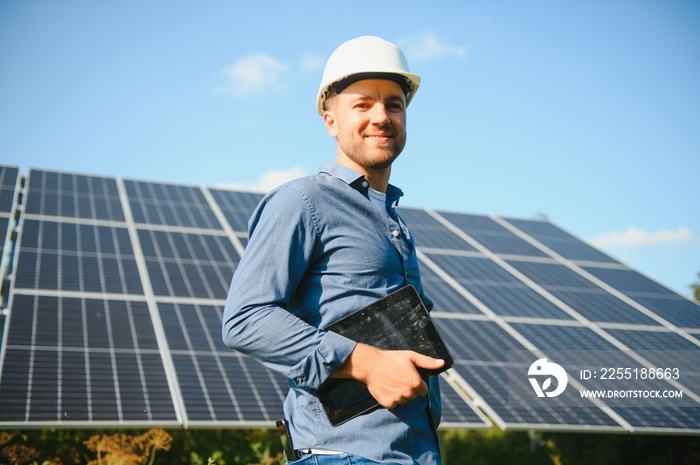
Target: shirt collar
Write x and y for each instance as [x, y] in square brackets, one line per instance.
[358, 182]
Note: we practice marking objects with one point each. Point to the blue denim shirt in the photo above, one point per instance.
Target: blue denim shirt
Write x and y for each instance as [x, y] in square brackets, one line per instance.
[319, 250]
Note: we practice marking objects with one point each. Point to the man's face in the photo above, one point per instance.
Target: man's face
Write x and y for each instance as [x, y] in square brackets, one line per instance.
[368, 120]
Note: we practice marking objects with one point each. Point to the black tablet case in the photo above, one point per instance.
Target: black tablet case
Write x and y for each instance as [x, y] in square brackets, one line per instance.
[399, 321]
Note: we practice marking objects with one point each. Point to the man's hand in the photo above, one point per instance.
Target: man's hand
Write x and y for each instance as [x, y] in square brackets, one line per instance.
[390, 375]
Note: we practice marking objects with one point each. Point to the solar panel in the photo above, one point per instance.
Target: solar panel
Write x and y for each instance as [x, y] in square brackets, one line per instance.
[497, 289]
[187, 264]
[60, 255]
[82, 361]
[560, 241]
[9, 186]
[165, 204]
[491, 381]
[237, 207]
[73, 196]
[492, 235]
[553, 293]
[116, 291]
[217, 384]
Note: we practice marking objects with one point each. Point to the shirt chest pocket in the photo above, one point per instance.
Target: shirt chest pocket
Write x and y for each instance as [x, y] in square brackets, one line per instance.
[361, 253]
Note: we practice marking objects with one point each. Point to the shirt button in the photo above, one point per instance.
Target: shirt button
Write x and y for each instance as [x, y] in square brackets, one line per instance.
[395, 233]
[365, 184]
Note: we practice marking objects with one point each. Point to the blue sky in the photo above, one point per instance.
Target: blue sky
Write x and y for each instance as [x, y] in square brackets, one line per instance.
[587, 112]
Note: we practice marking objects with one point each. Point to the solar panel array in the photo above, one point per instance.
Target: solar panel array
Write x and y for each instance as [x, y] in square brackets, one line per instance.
[114, 292]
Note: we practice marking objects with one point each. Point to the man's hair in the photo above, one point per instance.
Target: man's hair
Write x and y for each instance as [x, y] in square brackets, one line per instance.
[331, 95]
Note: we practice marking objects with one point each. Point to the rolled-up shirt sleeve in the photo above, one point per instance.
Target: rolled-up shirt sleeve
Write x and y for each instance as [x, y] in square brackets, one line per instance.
[266, 315]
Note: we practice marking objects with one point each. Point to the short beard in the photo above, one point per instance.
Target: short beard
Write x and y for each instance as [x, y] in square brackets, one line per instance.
[359, 153]
[360, 157]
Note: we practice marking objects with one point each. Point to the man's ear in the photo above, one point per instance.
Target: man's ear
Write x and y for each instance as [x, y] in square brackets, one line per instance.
[329, 121]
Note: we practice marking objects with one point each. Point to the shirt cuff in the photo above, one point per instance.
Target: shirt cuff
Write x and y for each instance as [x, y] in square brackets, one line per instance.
[320, 364]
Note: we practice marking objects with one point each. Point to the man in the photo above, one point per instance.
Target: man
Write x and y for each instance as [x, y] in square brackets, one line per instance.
[324, 246]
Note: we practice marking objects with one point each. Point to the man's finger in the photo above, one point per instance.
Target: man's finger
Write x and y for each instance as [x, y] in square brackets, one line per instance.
[429, 363]
[422, 390]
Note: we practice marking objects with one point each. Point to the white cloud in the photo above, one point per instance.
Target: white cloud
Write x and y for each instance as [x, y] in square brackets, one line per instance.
[311, 63]
[424, 47]
[268, 180]
[257, 74]
[635, 237]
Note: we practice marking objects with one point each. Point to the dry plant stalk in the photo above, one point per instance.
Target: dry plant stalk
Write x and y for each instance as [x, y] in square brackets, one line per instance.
[125, 449]
[19, 454]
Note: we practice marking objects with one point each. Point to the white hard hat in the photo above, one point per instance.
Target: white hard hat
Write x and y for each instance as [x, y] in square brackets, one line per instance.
[367, 57]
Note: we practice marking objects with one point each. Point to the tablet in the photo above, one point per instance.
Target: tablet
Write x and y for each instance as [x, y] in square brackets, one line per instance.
[399, 321]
